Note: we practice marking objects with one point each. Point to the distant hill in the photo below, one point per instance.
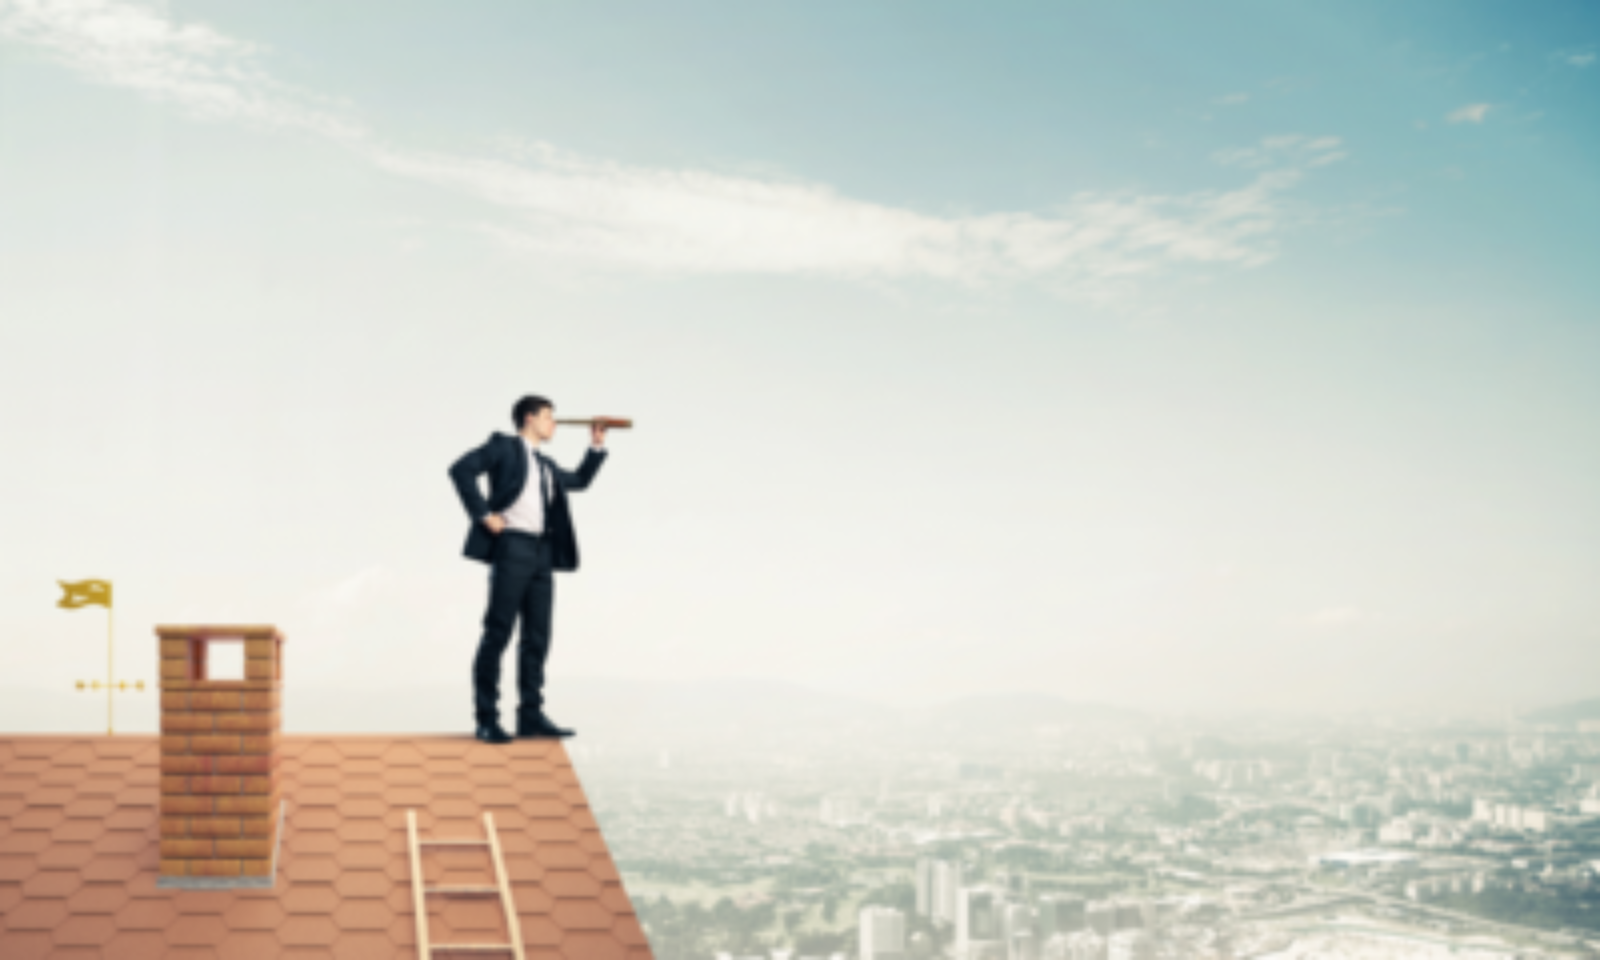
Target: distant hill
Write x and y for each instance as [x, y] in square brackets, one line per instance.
[1567, 712]
[694, 705]
[1018, 711]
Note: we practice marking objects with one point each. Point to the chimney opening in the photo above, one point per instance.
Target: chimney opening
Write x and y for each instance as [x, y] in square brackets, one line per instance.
[224, 660]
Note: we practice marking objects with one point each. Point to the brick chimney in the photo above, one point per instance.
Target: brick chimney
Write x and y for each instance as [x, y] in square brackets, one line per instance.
[221, 809]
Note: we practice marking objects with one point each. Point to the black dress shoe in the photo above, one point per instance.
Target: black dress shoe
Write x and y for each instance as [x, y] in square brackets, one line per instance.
[491, 733]
[541, 726]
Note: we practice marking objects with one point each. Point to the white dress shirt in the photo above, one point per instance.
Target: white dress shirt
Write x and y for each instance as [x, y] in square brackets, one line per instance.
[527, 514]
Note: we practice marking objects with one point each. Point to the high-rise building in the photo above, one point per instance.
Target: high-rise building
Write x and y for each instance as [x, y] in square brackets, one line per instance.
[1060, 913]
[946, 891]
[1013, 883]
[883, 933]
[976, 918]
[1016, 929]
[1100, 916]
[924, 886]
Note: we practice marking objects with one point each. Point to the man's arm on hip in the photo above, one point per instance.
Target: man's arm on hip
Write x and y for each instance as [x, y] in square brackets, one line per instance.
[465, 473]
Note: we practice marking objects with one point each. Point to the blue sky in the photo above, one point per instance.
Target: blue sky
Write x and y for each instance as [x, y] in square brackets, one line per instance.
[1188, 358]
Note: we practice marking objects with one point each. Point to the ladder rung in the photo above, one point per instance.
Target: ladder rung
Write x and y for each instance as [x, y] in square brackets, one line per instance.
[426, 948]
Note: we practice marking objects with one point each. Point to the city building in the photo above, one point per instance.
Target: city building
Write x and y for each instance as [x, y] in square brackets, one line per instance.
[977, 919]
[1016, 929]
[945, 895]
[1101, 916]
[882, 934]
[1060, 913]
[924, 884]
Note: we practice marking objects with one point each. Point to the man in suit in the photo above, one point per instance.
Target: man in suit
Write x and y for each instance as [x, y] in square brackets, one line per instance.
[524, 532]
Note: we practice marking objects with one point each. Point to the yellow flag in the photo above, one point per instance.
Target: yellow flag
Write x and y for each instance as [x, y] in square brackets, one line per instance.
[85, 592]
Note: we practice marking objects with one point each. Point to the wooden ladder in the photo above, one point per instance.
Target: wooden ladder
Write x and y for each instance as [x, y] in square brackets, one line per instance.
[501, 887]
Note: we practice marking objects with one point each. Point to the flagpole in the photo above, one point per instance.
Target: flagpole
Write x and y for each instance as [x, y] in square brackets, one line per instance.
[85, 593]
[111, 671]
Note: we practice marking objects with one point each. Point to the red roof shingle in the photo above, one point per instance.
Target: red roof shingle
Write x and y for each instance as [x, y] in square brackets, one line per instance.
[79, 850]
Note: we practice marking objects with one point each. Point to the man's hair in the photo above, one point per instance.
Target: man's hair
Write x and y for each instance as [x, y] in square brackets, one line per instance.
[528, 407]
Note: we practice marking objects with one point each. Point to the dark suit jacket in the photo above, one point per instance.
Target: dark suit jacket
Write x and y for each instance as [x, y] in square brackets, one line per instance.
[506, 462]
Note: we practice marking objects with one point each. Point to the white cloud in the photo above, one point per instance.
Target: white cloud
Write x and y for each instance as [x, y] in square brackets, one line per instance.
[1284, 150]
[1471, 113]
[544, 200]
[1232, 99]
[208, 75]
[1580, 57]
[694, 221]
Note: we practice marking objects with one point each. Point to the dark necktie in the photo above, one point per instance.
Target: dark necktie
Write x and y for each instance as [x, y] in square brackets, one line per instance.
[544, 489]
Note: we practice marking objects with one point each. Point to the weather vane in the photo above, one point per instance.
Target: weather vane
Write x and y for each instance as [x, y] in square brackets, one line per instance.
[82, 594]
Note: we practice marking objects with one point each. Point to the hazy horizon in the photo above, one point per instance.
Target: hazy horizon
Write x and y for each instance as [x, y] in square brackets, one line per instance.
[607, 709]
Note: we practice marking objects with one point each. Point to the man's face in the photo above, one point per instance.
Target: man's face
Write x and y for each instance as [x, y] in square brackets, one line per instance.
[544, 424]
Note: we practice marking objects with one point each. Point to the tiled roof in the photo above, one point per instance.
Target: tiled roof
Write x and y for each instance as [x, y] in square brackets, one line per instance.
[79, 849]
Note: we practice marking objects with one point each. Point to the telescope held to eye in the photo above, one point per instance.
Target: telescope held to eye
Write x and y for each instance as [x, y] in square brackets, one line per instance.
[610, 423]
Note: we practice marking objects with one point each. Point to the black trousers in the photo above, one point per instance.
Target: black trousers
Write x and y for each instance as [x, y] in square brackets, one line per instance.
[521, 584]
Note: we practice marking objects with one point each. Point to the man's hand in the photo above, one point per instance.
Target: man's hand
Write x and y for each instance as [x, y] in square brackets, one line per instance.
[495, 522]
[597, 433]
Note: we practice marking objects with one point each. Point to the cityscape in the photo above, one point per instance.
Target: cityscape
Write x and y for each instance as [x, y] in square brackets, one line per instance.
[1064, 832]
[1083, 481]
